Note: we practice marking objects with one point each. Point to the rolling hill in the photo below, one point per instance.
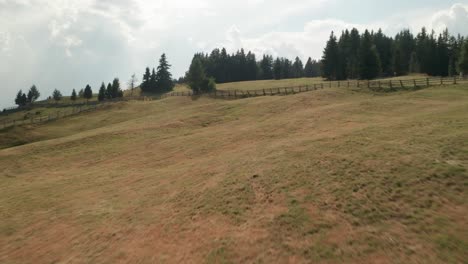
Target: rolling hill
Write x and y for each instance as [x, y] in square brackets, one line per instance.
[336, 175]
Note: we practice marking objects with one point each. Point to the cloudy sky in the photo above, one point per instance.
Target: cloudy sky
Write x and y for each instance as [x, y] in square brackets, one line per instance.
[67, 44]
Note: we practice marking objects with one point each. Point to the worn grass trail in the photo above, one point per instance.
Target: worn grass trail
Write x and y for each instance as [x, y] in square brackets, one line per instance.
[327, 176]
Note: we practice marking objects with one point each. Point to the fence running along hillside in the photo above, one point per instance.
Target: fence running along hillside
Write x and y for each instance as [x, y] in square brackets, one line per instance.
[378, 86]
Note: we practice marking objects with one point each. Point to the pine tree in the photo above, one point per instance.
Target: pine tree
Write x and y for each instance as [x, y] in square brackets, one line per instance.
[298, 68]
[21, 98]
[463, 62]
[57, 95]
[286, 69]
[266, 67]
[33, 94]
[414, 63]
[352, 64]
[152, 82]
[145, 83]
[369, 62]
[102, 93]
[116, 91]
[73, 95]
[330, 59]
[109, 91]
[88, 93]
[81, 93]
[196, 76]
[277, 69]
[164, 82]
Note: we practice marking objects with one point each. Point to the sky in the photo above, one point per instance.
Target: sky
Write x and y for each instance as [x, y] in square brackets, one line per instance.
[67, 44]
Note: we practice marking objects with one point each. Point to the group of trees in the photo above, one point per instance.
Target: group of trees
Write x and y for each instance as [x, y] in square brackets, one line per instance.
[242, 66]
[159, 80]
[197, 80]
[373, 54]
[110, 92]
[23, 99]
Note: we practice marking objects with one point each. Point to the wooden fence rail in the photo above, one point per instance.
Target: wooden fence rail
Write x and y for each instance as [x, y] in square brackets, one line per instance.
[379, 86]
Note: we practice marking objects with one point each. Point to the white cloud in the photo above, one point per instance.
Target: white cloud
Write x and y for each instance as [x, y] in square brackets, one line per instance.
[455, 19]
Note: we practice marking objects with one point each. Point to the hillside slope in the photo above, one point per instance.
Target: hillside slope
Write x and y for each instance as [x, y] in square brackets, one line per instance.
[326, 176]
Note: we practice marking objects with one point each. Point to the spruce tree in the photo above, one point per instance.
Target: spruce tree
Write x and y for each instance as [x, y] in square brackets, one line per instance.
[33, 94]
[308, 68]
[57, 95]
[109, 91]
[164, 82]
[277, 69]
[330, 59]
[116, 90]
[369, 62]
[73, 95]
[414, 63]
[298, 68]
[145, 83]
[463, 62]
[102, 93]
[196, 76]
[21, 98]
[152, 82]
[266, 67]
[88, 93]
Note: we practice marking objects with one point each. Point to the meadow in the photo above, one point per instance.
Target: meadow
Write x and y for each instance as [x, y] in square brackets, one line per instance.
[335, 175]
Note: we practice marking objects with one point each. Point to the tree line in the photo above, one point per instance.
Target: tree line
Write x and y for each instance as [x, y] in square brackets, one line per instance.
[105, 93]
[373, 54]
[242, 66]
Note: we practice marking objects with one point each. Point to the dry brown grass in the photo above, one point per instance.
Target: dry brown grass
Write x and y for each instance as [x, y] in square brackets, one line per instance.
[326, 176]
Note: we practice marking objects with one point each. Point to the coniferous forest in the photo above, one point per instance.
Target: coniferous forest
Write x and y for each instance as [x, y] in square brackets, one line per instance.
[352, 55]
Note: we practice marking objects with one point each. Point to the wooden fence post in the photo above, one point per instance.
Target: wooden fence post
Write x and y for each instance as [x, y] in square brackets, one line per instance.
[454, 79]
[391, 85]
[380, 85]
[339, 84]
[322, 85]
[368, 84]
[427, 81]
[441, 81]
[414, 81]
[358, 84]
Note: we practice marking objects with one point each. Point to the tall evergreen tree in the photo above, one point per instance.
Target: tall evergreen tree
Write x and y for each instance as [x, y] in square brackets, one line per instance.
[73, 96]
[463, 62]
[330, 59]
[102, 93]
[88, 93]
[33, 94]
[277, 69]
[266, 67]
[145, 83]
[414, 66]
[196, 76]
[298, 68]
[369, 62]
[116, 90]
[21, 98]
[57, 95]
[109, 91]
[164, 82]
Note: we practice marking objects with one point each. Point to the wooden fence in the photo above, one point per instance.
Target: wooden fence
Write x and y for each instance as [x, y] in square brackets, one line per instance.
[378, 86]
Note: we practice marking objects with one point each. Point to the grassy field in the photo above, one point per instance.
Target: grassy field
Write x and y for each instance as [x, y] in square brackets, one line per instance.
[329, 176]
